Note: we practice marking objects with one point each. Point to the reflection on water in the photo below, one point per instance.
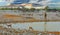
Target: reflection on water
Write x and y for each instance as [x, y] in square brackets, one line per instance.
[51, 26]
[29, 31]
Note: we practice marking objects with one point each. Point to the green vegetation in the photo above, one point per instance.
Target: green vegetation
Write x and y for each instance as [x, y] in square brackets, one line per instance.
[8, 8]
[25, 9]
[32, 9]
[51, 9]
[29, 10]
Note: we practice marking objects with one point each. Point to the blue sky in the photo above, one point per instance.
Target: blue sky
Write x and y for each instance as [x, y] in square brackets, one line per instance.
[4, 2]
[53, 3]
[56, 0]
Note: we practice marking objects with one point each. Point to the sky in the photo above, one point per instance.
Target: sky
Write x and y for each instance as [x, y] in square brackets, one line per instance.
[5, 2]
[52, 3]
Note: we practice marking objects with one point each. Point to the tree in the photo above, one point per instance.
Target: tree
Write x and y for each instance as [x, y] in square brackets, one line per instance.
[38, 10]
[32, 9]
[46, 8]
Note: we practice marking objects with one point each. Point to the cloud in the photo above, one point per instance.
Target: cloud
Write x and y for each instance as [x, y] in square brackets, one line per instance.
[45, 2]
[5, 2]
[33, 1]
[54, 4]
[2, 0]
